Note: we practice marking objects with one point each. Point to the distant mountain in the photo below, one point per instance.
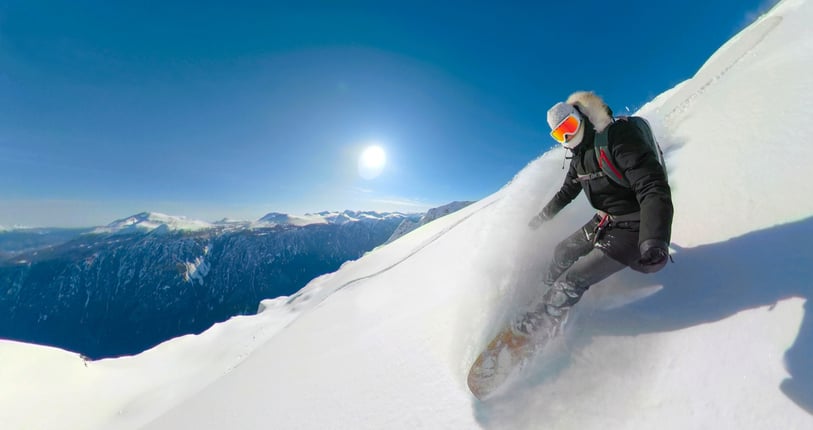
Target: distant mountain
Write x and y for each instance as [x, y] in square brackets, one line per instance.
[124, 287]
[285, 219]
[329, 217]
[148, 221]
[411, 223]
[14, 241]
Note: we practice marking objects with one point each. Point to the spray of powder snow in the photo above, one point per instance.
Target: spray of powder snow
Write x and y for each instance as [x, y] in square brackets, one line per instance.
[512, 261]
[512, 258]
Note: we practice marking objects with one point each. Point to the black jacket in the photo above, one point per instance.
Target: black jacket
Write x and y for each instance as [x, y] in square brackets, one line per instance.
[649, 192]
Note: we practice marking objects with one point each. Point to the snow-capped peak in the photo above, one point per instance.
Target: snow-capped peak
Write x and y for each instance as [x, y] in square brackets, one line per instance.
[327, 217]
[276, 218]
[149, 221]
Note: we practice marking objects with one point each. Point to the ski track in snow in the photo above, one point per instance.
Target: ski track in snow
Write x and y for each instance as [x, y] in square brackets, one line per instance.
[418, 249]
[717, 67]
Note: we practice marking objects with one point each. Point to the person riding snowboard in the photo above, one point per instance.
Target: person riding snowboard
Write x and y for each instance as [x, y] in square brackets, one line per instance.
[632, 227]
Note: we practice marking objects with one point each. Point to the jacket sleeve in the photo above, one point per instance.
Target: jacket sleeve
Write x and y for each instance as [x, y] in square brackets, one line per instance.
[647, 180]
[569, 191]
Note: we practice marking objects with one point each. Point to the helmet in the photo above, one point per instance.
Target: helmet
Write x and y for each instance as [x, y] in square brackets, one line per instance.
[566, 124]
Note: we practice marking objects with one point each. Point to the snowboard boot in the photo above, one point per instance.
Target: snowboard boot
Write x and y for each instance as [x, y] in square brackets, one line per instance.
[548, 317]
[536, 322]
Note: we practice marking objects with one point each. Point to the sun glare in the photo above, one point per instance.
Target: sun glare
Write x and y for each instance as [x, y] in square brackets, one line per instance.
[372, 162]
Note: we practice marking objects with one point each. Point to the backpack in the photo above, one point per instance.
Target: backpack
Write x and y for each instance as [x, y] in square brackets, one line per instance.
[604, 155]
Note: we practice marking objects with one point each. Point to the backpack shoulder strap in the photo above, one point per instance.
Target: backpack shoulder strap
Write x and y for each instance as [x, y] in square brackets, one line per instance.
[605, 159]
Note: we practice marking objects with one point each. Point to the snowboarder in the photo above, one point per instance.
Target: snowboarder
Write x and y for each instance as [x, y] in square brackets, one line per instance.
[632, 227]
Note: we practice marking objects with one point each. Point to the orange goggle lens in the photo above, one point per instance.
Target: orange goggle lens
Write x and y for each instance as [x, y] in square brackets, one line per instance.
[566, 129]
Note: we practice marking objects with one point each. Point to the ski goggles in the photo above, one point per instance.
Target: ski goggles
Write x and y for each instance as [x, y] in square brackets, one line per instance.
[566, 128]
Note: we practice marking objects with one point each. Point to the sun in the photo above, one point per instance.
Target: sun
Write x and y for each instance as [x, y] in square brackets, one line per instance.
[373, 157]
[372, 161]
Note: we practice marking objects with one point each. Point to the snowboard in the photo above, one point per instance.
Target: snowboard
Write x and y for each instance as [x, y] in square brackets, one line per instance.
[505, 355]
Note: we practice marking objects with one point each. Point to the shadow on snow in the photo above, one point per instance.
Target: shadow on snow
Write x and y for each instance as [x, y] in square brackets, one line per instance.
[712, 282]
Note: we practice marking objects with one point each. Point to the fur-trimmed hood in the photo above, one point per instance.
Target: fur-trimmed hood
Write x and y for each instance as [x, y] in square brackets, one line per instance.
[593, 107]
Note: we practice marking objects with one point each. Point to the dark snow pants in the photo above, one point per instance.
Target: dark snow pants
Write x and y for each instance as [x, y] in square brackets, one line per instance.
[581, 260]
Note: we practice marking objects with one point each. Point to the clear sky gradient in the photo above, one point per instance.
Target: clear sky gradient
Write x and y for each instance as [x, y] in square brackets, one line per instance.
[236, 109]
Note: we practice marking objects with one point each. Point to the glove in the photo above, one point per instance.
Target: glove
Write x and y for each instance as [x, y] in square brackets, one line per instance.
[546, 215]
[654, 254]
[536, 221]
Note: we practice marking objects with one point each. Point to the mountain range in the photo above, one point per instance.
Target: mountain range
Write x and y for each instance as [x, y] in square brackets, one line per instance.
[127, 286]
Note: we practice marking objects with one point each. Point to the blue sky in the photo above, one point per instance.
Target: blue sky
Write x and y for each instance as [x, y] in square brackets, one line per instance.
[227, 109]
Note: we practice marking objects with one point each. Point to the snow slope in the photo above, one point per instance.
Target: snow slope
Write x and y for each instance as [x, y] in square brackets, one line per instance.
[723, 338]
